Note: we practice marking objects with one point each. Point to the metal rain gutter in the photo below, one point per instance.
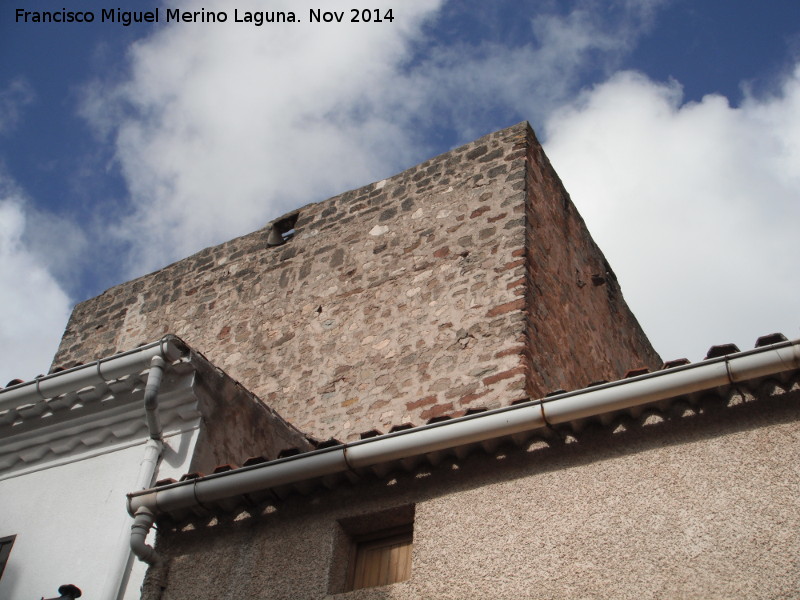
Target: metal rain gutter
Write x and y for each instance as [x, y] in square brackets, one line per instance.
[618, 395]
[170, 348]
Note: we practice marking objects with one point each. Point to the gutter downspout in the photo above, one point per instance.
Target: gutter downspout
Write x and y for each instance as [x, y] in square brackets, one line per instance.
[618, 395]
[143, 520]
[154, 447]
[157, 366]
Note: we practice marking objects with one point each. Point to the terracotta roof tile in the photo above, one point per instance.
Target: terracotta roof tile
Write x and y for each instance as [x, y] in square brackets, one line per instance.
[678, 362]
[596, 383]
[401, 427]
[370, 434]
[635, 372]
[772, 338]
[329, 443]
[642, 416]
[287, 452]
[721, 350]
[647, 415]
[439, 419]
[224, 468]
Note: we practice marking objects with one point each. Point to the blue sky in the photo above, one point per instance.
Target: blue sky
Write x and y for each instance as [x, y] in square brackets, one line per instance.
[674, 124]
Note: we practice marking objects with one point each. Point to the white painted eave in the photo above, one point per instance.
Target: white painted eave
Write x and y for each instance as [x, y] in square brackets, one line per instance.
[93, 407]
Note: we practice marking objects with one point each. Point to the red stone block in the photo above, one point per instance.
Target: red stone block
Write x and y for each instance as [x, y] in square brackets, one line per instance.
[506, 308]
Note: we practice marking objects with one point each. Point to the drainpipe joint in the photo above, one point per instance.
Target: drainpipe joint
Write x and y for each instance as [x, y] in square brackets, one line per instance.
[142, 522]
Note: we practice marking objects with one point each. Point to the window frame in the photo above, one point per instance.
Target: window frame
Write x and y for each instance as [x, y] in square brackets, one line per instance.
[368, 529]
[370, 563]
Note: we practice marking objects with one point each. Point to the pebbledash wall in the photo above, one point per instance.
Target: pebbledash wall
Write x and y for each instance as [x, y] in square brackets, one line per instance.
[467, 281]
[695, 501]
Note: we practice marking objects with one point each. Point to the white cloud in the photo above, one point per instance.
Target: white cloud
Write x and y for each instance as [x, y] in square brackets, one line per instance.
[696, 205]
[471, 84]
[13, 98]
[692, 203]
[215, 138]
[218, 128]
[35, 308]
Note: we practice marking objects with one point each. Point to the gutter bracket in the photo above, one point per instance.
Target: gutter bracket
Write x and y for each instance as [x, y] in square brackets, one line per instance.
[197, 500]
[549, 425]
[347, 462]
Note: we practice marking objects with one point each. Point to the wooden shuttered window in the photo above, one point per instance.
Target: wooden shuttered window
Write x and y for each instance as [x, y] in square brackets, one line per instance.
[381, 559]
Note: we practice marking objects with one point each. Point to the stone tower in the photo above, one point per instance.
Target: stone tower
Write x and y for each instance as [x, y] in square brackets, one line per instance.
[468, 281]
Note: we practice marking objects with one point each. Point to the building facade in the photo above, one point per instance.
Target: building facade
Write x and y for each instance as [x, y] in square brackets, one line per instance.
[691, 497]
[418, 335]
[72, 444]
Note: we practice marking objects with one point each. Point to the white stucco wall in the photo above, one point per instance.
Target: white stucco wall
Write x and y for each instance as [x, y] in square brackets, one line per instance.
[71, 522]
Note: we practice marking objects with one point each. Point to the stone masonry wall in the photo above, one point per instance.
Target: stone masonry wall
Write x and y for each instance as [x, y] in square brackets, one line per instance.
[235, 426]
[420, 295]
[575, 305]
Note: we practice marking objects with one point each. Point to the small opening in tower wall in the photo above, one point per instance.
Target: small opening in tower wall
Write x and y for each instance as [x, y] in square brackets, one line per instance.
[281, 230]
